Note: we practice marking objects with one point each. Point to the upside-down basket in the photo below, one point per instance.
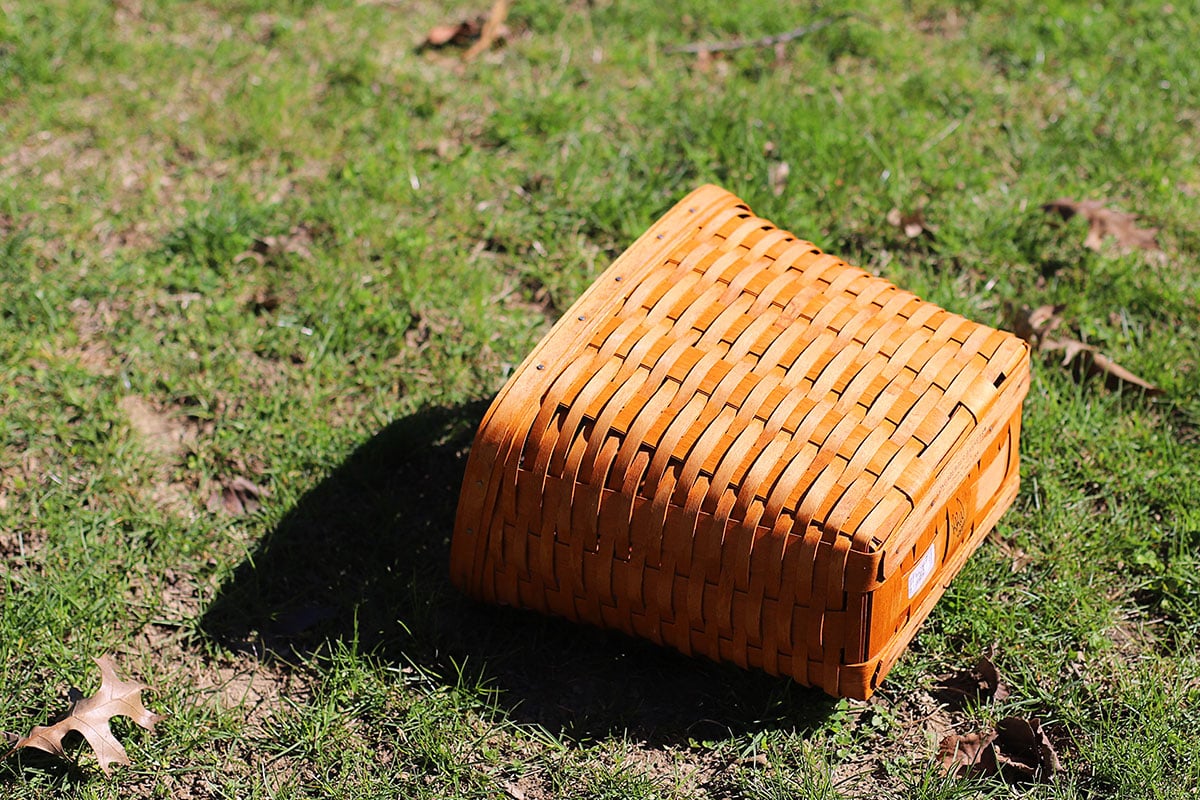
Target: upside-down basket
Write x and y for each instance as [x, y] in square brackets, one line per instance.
[744, 448]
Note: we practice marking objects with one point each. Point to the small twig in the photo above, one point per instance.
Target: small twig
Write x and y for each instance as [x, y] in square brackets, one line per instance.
[766, 41]
[491, 29]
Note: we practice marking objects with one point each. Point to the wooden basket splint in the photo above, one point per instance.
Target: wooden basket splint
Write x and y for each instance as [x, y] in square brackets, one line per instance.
[744, 448]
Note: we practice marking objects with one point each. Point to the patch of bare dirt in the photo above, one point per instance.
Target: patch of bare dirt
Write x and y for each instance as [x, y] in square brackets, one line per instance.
[250, 691]
[167, 435]
[182, 598]
[689, 772]
[160, 433]
[254, 689]
[112, 240]
[92, 322]
[19, 547]
[43, 155]
[947, 24]
[175, 497]
[265, 373]
[1132, 636]
[20, 470]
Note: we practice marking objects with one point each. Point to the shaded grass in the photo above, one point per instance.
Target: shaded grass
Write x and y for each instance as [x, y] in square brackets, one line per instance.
[439, 215]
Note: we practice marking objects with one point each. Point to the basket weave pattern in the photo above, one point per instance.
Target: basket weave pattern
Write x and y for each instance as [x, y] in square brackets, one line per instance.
[744, 448]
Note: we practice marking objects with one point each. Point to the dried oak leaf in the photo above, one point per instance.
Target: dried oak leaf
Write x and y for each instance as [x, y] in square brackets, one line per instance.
[912, 223]
[452, 35]
[90, 716]
[1036, 326]
[1018, 751]
[494, 29]
[981, 683]
[964, 755]
[265, 248]
[1023, 752]
[1104, 223]
[1092, 362]
[479, 33]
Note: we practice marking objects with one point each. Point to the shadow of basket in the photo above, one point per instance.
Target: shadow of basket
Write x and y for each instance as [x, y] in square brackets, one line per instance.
[364, 556]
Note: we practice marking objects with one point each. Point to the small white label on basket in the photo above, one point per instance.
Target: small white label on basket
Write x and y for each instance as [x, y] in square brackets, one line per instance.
[921, 572]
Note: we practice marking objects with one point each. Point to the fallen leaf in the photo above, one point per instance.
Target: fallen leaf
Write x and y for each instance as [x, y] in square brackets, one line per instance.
[236, 496]
[1104, 223]
[1018, 751]
[494, 30]
[756, 761]
[452, 35]
[963, 755]
[1036, 326]
[1090, 361]
[90, 717]
[912, 223]
[1023, 752]
[1102, 364]
[265, 248]
[981, 683]
[477, 33]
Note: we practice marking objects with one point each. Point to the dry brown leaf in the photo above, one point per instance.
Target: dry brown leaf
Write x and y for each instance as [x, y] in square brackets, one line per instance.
[1036, 326]
[90, 717]
[1092, 362]
[1101, 364]
[236, 496]
[962, 755]
[294, 242]
[452, 35]
[1104, 223]
[476, 33]
[494, 30]
[981, 683]
[1019, 751]
[1023, 751]
[513, 790]
[912, 223]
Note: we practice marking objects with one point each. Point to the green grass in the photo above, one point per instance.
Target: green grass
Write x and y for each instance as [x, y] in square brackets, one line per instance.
[430, 219]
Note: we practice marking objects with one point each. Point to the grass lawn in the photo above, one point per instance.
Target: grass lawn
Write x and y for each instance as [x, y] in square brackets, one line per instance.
[263, 263]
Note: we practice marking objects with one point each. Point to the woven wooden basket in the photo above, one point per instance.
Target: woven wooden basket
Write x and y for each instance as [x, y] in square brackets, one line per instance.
[744, 448]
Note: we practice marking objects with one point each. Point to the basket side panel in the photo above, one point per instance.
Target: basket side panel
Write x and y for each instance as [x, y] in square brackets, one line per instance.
[900, 604]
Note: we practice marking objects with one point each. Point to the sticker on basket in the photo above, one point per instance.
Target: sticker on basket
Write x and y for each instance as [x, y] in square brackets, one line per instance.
[921, 572]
